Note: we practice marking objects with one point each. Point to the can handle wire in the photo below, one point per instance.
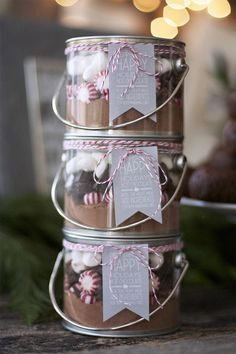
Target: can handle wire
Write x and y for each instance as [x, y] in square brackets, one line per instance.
[184, 266]
[117, 228]
[55, 99]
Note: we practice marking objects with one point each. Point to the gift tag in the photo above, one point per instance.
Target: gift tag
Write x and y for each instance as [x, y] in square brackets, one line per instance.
[136, 185]
[125, 280]
[141, 94]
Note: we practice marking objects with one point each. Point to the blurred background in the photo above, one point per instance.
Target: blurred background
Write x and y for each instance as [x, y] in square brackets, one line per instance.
[32, 41]
[32, 36]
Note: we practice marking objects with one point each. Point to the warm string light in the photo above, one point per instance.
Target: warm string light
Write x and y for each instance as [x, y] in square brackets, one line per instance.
[164, 28]
[219, 8]
[175, 14]
[66, 3]
[146, 5]
[194, 6]
[178, 4]
[179, 17]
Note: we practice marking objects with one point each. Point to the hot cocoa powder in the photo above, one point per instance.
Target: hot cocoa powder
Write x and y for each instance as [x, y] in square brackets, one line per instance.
[96, 114]
[91, 315]
[102, 215]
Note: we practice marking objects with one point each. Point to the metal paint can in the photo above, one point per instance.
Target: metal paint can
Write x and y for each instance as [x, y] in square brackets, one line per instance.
[84, 300]
[87, 165]
[90, 65]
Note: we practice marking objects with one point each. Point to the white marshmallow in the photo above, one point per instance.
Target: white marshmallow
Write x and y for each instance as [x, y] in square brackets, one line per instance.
[156, 260]
[97, 155]
[101, 168]
[82, 161]
[87, 164]
[163, 65]
[77, 262]
[77, 64]
[91, 259]
[77, 267]
[71, 165]
[98, 63]
[77, 256]
[69, 181]
[68, 256]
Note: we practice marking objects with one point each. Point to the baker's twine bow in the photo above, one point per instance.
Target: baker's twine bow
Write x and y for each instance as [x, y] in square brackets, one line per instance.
[137, 252]
[136, 57]
[150, 163]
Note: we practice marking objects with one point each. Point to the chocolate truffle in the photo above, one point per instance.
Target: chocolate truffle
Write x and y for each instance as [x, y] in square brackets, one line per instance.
[213, 184]
[230, 136]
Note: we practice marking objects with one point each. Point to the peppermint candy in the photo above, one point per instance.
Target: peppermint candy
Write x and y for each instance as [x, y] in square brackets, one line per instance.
[101, 82]
[92, 198]
[105, 94]
[87, 298]
[89, 282]
[86, 92]
[109, 196]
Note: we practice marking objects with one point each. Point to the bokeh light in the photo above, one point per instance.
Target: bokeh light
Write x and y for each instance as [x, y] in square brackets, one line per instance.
[66, 2]
[163, 28]
[194, 6]
[179, 17]
[202, 2]
[178, 4]
[146, 5]
[219, 8]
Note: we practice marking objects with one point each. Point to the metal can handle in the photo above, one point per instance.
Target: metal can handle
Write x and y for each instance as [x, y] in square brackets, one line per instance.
[76, 223]
[65, 121]
[184, 266]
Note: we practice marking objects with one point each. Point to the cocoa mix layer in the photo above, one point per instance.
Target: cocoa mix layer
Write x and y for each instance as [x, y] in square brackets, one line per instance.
[91, 315]
[96, 114]
[102, 215]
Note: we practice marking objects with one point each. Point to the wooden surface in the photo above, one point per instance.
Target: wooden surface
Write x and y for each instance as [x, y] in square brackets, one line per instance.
[208, 326]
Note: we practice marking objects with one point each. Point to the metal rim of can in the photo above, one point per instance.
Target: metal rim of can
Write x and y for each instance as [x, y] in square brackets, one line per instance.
[135, 39]
[97, 136]
[75, 236]
[118, 334]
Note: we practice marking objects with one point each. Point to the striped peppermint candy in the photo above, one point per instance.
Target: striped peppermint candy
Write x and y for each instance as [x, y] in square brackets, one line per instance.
[89, 282]
[92, 198]
[106, 94]
[87, 92]
[101, 82]
[87, 298]
[109, 196]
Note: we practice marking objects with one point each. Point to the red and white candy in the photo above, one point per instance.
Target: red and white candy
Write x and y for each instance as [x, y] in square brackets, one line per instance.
[88, 299]
[87, 92]
[101, 82]
[93, 198]
[90, 259]
[89, 282]
[109, 196]
[106, 94]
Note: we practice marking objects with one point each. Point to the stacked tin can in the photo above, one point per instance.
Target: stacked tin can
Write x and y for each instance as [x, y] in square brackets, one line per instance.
[122, 171]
